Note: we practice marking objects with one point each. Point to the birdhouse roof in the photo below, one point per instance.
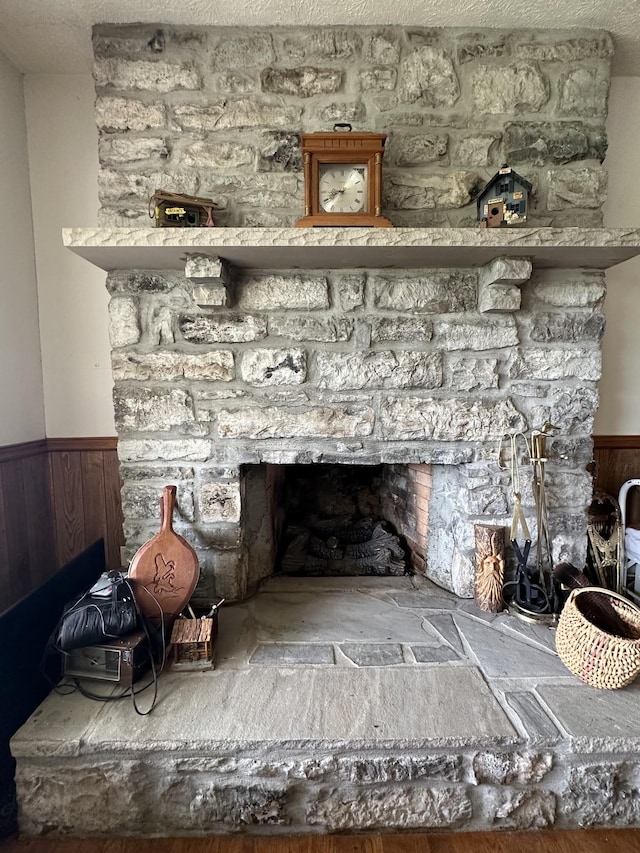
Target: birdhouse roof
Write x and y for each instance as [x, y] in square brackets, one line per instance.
[500, 175]
[191, 630]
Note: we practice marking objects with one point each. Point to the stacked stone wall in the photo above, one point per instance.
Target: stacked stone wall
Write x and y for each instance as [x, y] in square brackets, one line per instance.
[218, 112]
[391, 367]
[216, 369]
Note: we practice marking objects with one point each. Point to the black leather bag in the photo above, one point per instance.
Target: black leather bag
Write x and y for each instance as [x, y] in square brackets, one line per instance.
[95, 619]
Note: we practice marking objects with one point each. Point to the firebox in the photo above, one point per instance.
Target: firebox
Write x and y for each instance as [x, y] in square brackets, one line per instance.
[325, 520]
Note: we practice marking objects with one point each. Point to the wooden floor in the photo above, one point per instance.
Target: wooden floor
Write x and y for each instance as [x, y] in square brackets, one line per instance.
[582, 841]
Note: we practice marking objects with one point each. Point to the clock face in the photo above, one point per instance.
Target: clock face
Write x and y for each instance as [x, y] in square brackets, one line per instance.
[342, 187]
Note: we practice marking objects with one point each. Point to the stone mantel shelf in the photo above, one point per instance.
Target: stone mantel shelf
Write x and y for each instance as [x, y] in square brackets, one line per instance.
[352, 248]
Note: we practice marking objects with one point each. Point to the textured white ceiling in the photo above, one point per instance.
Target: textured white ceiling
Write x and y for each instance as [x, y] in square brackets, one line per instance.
[54, 36]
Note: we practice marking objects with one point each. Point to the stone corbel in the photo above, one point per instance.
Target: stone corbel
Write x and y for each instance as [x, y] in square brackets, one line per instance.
[210, 276]
[498, 284]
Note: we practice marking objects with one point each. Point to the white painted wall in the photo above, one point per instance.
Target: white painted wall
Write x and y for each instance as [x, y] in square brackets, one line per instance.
[22, 411]
[73, 300]
[619, 412]
[63, 154]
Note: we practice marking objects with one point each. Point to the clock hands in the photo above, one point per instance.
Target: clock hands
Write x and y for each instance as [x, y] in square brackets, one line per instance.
[354, 178]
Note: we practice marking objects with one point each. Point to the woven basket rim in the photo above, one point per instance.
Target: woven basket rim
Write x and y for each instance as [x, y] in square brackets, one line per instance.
[634, 625]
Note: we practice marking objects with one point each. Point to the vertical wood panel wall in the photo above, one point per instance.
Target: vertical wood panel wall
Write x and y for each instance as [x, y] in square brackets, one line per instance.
[27, 542]
[58, 496]
[616, 460]
[86, 496]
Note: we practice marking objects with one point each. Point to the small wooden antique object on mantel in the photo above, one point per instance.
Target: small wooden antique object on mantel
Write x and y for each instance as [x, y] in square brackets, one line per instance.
[175, 210]
[343, 178]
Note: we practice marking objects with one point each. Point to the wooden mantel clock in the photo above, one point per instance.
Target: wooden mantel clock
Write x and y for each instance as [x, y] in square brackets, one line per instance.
[343, 178]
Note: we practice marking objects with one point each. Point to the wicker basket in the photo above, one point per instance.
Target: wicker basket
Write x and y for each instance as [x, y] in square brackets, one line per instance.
[598, 657]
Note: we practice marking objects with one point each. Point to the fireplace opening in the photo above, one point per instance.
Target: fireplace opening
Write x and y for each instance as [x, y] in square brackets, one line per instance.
[335, 520]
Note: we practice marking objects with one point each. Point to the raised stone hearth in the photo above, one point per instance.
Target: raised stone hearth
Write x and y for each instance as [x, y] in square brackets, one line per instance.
[347, 704]
[363, 704]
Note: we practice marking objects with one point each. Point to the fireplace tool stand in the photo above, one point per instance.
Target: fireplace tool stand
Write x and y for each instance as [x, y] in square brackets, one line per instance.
[532, 595]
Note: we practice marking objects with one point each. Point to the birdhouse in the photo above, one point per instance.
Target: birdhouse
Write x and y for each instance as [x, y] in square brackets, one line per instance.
[504, 200]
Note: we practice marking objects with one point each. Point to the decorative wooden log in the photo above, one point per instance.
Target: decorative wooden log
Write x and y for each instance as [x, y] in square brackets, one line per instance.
[489, 549]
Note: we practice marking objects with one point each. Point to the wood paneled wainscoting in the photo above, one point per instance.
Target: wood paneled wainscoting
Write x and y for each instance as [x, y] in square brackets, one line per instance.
[27, 541]
[616, 460]
[57, 496]
[86, 504]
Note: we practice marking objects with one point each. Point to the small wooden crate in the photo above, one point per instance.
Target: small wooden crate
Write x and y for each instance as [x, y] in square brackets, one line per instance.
[193, 643]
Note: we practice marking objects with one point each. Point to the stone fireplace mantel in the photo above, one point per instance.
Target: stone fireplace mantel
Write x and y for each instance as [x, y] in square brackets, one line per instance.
[352, 248]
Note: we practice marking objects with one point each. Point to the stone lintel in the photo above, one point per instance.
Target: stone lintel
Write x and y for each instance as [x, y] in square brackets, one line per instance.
[353, 248]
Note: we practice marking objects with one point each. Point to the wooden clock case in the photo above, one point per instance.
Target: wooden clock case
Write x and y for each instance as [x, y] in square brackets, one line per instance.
[349, 148]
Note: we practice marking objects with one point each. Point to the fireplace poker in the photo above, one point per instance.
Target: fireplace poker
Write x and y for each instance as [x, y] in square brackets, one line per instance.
[214, 608]
[543, 544]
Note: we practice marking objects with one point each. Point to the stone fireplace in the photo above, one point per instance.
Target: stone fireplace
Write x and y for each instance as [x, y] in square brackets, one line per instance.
[391, 368]
[232, 358]
[222, 368]
[362, 371]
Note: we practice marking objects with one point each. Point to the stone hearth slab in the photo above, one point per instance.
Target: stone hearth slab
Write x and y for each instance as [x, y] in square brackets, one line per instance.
[502, 656]
[434, 741]
[59, 727]
[426, 600]
[292, 653]
[541, 635]
[596, 720]
[536, 722]
[373, 654]
[319, 616]
[281, 706]
[446, 627]
[433, 654]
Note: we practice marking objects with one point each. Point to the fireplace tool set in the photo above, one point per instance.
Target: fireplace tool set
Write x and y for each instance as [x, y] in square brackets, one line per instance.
[532, 594]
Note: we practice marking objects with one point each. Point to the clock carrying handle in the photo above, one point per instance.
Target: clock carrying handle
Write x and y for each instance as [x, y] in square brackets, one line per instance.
[342, 125]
